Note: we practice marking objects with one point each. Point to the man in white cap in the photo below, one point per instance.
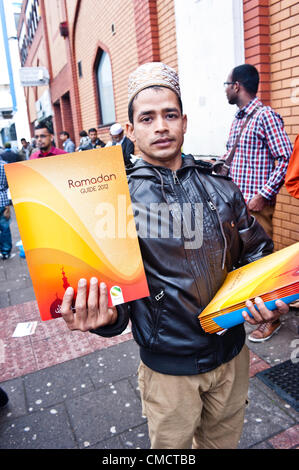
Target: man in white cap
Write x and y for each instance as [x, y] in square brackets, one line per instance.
[193, 384]
[118, 138]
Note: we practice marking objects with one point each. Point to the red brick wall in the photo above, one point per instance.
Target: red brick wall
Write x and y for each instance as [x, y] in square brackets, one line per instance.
[257, 42]
[271, 34]
[57, 120]
[93, 32]
[167, 33]
[147, 36]
[57, 50]
[66, 114]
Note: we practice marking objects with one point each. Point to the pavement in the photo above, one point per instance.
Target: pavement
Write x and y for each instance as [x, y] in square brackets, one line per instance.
[73, 390]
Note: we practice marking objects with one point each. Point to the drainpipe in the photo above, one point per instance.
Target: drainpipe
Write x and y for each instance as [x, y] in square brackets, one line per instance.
[8, 59]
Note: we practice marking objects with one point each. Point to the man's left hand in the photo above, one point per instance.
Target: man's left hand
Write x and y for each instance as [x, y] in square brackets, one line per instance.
[6, 212]
[257, 203]
[263, 314]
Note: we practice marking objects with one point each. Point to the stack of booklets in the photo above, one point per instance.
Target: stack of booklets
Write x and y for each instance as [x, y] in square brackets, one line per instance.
[75, 219]
[273, 277]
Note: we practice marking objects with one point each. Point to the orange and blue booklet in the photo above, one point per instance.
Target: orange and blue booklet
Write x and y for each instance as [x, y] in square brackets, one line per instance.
[75, 220]
[273, 277]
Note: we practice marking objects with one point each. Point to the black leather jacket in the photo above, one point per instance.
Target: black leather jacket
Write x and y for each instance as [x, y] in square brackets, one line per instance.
[183, 276]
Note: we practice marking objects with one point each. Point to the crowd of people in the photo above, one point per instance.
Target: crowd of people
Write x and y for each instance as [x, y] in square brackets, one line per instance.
[88, 141]
[43, 144]
[193, 385]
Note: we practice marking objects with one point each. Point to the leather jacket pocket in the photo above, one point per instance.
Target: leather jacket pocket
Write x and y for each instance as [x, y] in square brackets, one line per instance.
[158, 302]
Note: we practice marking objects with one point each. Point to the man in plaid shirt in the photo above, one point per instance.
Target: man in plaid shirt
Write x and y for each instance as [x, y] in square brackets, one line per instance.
[5, 234]
[263, 142]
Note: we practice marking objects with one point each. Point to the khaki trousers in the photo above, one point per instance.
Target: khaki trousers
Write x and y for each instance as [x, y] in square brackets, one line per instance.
[205, 411]
[264, 217]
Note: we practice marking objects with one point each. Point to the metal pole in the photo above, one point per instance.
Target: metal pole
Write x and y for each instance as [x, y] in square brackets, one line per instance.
[8, 59]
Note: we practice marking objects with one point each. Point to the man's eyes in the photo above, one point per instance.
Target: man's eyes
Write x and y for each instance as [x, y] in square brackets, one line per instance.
[147, 119]
[171, 115]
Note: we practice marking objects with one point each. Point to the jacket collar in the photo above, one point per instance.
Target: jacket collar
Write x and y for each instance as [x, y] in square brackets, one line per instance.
[248, 108]
[141, 167]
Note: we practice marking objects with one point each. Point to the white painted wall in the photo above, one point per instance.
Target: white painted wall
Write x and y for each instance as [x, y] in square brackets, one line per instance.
[209, 44]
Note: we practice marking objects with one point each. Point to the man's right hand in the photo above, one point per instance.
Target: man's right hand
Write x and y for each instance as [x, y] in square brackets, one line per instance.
[257, 203]
[90, 313]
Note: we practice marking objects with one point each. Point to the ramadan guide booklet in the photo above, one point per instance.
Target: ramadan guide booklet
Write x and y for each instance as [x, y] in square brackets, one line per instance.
[273, 277]
[75, 220]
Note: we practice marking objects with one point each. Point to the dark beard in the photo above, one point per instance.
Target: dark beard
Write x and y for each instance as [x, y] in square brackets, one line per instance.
[232, 101]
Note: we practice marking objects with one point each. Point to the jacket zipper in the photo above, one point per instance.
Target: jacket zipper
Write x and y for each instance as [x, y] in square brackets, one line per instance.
[158, 310]
[175, 177]
[214, 209]
[205, 271]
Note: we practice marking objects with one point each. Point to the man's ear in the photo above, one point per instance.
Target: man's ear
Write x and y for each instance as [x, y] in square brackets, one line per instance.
[185, 121]
[130, 131]
[237, 86]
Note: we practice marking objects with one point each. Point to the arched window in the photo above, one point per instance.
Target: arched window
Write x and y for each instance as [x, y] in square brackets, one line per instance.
[105, 88]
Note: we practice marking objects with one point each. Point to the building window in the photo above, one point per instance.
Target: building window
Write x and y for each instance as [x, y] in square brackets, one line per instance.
[105, 89]
[29, 27]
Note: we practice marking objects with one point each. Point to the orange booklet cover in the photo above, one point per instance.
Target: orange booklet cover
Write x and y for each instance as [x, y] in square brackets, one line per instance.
[75, 219]
[273, 277]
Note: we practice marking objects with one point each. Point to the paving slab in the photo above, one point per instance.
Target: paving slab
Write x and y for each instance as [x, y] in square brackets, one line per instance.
[264, 417]
[2, 273]
[19, 359]
[4, 300]
[112, 443]
[17, 405]
[55, 384]
[113, 363]
[47, 429]
[286, 439]
[107, 411]
[136, 438]
[21, 295]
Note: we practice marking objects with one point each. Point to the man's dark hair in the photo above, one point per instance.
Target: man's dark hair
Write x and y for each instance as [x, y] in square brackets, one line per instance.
[65, 133]
[248, 76]
[23, 139]
[93, 129]
[43, 126]
[83, 134]
[130, 108]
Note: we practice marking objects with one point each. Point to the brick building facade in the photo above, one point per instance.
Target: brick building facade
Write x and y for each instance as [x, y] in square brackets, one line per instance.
[72, 36]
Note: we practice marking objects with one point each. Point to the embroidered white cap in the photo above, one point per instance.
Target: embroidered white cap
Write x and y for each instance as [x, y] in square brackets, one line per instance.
[152, 74]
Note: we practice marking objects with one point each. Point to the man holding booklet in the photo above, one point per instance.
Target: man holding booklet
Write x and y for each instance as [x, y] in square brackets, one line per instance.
[193, 384]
